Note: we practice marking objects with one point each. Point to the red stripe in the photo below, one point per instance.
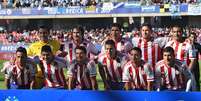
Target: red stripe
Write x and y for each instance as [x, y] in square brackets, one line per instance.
[138, 77]
[170, 74]
[105, 61]
[15, 75]
[131, 75]
[49, 74]
[145, 51]
[120, 71]
[139, 43]
[163, 74]
[57, 76]
[22, 77]
[182, 52]
[113, 70]
[71, 52]
[153, 54]
[176, 48]
[159, 54]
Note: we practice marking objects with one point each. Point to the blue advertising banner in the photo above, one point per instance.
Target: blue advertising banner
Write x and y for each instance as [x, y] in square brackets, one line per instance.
[64, 95]
[105, 8]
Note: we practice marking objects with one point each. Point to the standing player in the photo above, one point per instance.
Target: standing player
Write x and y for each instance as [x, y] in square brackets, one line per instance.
[82, 72]
[183, 50]
[197, 51]
[137, 74]
[151, 52]
[121, 44]
[171, 73]
[20, 74]
[112, 62]
[78, 40]
[52, 70]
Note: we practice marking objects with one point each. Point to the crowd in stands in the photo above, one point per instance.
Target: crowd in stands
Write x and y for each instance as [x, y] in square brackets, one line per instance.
[96, 36]
[69, 3]
[46, 3]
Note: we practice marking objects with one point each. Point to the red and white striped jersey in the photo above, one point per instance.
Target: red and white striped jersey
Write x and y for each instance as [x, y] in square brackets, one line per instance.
[113, 67]
[151, 52]
[138, 76]
[22, 77]
[70, 47]
[123, 46]
[82, 73]
[53, 73]
[172, 78]
[183, 51]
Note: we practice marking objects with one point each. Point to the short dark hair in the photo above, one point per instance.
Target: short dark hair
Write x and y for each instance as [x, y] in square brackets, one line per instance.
[168, 49]
[22, 49]
[80, 29]
[192, 33]
[46, 48]
[81, 48]
[177, 25]
[136, 49]
[147, 24]
[116, 25]
[110, 42]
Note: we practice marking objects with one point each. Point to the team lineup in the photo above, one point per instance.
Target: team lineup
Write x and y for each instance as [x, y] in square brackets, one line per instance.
[144, 63]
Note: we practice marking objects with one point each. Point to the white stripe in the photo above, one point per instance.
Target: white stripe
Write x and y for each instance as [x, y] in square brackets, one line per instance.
[142, 82]
[156, 53]
[116, 70]
[179, 52]
[150, 52]
[142, 48]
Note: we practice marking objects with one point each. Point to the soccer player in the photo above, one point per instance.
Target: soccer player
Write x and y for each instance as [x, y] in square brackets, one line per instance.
[172, 74]
[112, 62]
[151, 52]
[78, 40]
[82, 71]
[35, 48]
[52, 70]
[197, 51]
[183, 50]
[21, 73]
[137, 74]
[121, 44]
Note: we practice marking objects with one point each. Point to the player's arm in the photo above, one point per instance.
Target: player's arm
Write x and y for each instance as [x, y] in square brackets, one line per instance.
[188, 76]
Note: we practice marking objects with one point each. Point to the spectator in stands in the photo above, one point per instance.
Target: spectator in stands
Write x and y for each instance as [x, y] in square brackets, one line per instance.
[82, 71]
[21, 73]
